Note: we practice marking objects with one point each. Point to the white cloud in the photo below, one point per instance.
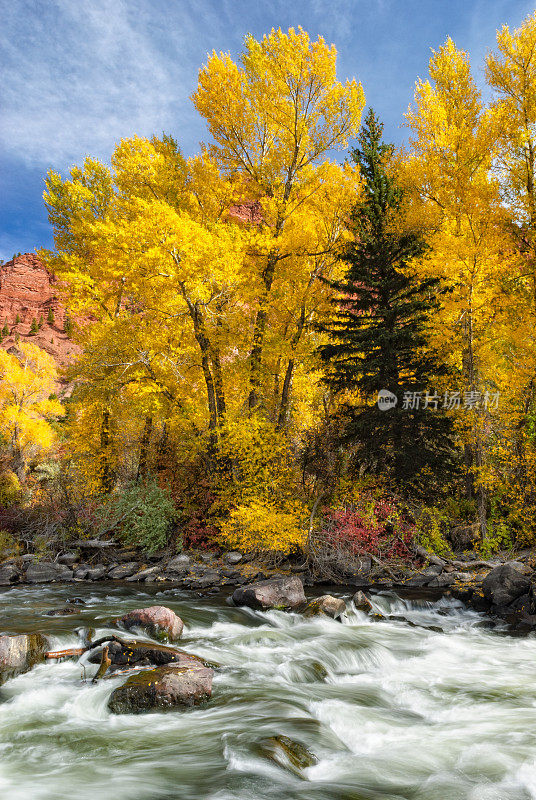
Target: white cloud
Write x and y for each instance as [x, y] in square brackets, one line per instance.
[78, 76]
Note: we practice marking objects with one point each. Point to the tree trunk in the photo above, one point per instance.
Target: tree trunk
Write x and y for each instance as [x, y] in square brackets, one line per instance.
[107, 477]
[144, 448]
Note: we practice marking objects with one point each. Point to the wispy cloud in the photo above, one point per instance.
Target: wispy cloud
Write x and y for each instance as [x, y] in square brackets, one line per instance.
[78, 76]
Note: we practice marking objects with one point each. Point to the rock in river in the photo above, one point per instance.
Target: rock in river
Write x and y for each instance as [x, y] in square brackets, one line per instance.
[327, 604]
[144, 654]
[284, 593]
[506, 583]
[163, 689]
[18, 654]
[157, 621]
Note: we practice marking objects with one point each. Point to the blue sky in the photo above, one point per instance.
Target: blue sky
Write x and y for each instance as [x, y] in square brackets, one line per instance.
[78, 75]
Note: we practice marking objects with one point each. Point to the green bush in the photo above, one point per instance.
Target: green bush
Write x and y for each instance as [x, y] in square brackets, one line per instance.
[140, 515]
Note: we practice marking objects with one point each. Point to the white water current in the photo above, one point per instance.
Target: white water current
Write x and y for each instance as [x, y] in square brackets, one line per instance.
[428, 703]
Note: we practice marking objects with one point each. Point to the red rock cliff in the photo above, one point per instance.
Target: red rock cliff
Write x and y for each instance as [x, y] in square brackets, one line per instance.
[28, 293]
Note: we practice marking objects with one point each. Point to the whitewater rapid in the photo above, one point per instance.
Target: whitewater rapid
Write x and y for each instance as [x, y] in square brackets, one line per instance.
[427, 702]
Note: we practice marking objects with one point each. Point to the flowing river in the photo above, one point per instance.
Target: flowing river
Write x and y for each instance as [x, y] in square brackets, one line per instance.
[427, 704]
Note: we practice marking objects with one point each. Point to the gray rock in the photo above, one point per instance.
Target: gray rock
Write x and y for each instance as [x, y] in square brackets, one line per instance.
[327, 604]
[284, 593]
[166, 688]
[144, 573]
[8, 574]
[18, 654]
[68, 559]
[506, 583]
[234, 557]
[96, 573]
[123, 570]
[445, 579]
[157, 621]
[81, 573]
[180, 564]
[230, 573]
[48, 571]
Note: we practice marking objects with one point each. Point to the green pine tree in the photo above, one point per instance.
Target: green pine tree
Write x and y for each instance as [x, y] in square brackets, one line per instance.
[68, 325]
[5, 330]
[17, 319]
[378, 337]
[34, 327]
[50, 316]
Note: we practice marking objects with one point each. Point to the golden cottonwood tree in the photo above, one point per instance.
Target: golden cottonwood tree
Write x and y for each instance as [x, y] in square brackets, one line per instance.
[184, 297]
[274, 118]
[27, 380]
[453, 143]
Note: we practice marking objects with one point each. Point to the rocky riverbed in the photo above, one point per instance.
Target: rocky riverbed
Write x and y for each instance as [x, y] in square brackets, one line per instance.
[501, 588]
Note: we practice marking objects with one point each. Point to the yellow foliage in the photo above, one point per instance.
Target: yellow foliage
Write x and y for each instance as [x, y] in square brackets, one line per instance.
[10, 489]
[257, 526]
[27, 381]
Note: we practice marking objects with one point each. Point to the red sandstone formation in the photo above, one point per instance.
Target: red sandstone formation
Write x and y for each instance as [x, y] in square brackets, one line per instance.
[248, 212]
[27, 293]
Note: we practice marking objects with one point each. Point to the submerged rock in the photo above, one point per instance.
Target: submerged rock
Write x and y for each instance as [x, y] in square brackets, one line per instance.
[62, 612]
[287, 753]
[19, 654]
[327, 604]
[166, 688]
[157, 621]
[284, 593]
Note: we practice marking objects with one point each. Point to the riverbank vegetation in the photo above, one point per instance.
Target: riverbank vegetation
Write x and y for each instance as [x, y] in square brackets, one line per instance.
[239, 312]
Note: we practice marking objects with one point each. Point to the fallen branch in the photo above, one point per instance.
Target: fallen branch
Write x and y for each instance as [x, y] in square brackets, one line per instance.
[72, 651]
[104, 665]
[442, 562]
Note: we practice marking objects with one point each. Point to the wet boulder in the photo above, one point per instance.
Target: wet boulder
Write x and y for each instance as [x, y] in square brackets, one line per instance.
[166, 688]
[19, 654]
[327, 604]
[506, 583]
[283, 593]
[361, 601]
[145, 654]
[47, 572]
[157, 621]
